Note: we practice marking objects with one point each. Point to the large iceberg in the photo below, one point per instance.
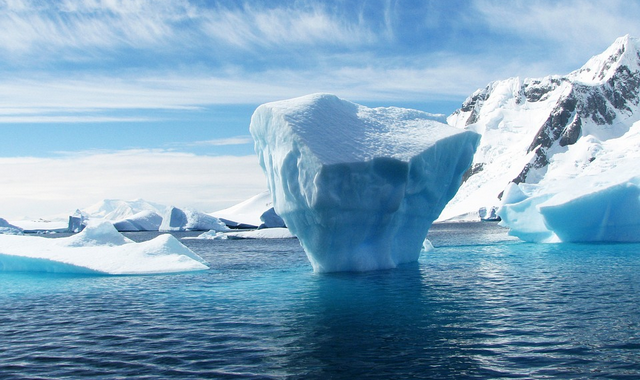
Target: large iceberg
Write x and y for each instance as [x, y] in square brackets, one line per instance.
[358, 186]
[98, 249]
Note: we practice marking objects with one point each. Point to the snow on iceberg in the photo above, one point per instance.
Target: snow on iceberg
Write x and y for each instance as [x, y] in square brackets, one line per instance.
[266, 233]
[246, 214]
[99, 249]
[176, 219]
[358, 186]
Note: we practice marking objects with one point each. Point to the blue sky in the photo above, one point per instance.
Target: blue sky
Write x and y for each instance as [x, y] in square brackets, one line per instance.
[97, 97]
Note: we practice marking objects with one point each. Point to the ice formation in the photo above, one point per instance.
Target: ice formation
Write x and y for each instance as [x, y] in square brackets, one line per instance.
[358, 186]
[266, 233]
[175, 219]
[529, 125]
[98, 249]
[145, 220]
[8, 228]
[270, 219]
[246, 214]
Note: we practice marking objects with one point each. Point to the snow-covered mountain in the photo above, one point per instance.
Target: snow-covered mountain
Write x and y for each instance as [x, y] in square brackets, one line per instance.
[550, 128]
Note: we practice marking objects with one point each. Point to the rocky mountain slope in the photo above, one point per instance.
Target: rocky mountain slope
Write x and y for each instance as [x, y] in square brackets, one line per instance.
[551, 127]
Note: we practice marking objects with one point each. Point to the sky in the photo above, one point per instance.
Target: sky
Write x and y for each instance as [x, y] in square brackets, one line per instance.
[152, 99]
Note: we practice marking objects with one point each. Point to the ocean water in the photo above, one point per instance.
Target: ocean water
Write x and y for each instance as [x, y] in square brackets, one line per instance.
[482, 305]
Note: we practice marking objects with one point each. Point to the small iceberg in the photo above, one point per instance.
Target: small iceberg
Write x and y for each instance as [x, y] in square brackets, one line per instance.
[98, 249]
[265, 233]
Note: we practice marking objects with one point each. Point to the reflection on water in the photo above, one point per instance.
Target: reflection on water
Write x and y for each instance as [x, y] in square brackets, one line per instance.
[481, 305]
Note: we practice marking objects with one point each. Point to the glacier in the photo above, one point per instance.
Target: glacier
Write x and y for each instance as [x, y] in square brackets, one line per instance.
[98, 249]
[358, 186]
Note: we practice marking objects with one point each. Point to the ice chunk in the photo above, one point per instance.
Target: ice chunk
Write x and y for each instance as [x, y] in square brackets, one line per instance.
[146, 220]
[270, 219]
[176, 219]
[9, 229]
[360, 187]
[267, 233]
[582, 209]
[100, 249]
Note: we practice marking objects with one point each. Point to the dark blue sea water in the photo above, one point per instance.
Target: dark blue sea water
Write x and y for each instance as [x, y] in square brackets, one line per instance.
[481, 305]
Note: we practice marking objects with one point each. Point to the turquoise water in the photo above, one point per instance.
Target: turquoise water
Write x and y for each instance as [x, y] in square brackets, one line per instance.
[481, 305]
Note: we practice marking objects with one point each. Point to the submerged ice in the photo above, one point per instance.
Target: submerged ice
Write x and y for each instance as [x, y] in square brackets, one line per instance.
[358, 186]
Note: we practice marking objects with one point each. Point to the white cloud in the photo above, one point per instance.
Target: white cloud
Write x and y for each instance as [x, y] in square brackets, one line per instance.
[573, 27]
[236, 140]
[44, 186]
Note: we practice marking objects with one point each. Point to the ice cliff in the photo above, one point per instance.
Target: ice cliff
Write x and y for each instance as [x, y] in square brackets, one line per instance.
[358, 186]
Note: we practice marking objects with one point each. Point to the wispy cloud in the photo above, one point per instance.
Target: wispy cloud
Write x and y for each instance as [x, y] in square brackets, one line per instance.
[44, 186]
[570, 30]
[236, 140]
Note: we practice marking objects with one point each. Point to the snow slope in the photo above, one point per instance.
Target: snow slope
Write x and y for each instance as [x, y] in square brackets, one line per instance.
[248, 212]
[98, 249]
[358, 186]
[553, 127]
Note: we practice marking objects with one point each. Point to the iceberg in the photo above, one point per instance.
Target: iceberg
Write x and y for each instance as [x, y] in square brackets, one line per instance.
[358, 186]
[8, 228]
[248, 213]
[176, 219]
[98, 249]
[270, 219]
[267, 233]
[584, 209]
[145, 220]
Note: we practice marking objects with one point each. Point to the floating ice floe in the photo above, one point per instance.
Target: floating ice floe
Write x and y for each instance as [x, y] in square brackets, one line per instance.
[98, 249]
[358, 186]
[265, 233]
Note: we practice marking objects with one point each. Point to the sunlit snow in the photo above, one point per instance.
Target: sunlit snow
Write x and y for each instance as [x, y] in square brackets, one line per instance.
[98, 249]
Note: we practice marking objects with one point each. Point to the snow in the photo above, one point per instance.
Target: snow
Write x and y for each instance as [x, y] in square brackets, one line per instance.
[117, 209]
[267, 233]
[98, 249]
[591, 193]
[175, 219]
[248, 212]
[7, 228]
[510, 114]
[359, 187]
